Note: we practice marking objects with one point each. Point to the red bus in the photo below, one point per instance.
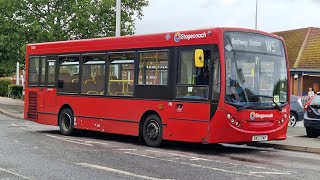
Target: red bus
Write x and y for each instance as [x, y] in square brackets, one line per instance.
[218, 85]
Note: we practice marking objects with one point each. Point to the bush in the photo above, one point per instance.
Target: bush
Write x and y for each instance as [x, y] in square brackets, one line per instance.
[15, 91]
[4, 83]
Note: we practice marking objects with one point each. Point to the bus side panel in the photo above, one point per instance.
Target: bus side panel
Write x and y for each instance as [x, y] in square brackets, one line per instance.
[49, 119]
[186, 131]
[188, 123]
[114, 115]
[110, 126]
[122, 116]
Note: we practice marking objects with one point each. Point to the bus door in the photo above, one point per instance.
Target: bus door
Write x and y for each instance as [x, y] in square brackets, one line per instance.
[42, 83]
[50, 90]
[47, 92]
[191, 108]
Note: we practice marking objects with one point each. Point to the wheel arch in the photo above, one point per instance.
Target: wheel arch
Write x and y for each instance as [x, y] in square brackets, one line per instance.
[144, 117]
[62, 108]
[295, 113]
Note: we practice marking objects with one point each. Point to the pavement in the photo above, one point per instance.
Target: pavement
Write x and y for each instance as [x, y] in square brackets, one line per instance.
[12, 107]
[296, 136]
[297, 140]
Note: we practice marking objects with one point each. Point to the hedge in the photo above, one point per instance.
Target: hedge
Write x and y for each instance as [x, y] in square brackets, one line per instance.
[15, 91]
[4, 83]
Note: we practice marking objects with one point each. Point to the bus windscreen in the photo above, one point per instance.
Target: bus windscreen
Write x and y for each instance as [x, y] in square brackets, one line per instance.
[256, 71]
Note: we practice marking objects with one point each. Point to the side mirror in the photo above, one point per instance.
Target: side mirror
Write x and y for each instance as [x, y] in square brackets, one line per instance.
[199, 58]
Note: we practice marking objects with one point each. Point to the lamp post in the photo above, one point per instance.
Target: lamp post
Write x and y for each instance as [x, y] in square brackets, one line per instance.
[256, 20]
[118, 18]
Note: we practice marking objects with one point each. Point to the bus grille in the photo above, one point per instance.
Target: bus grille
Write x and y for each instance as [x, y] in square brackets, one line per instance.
[33, 103]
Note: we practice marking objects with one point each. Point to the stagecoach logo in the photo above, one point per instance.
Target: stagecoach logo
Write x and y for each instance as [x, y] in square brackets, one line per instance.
[168, 37]
[178, 36]
[254, 115]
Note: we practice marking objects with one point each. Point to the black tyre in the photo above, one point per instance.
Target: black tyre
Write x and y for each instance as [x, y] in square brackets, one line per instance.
[152, 131]
[66, 122]
[293, 119]
[311, 133]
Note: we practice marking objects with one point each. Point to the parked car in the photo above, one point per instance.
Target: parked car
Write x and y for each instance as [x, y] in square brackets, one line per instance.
[312, 116]
[296, 111]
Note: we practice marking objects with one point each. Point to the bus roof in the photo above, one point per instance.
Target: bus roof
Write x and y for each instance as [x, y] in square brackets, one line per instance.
[167, 39]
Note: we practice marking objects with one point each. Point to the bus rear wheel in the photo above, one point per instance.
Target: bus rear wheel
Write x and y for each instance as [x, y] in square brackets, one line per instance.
[152, 131]
[66, 122]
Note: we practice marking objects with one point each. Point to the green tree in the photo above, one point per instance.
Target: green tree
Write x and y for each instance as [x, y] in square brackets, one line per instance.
[35, 21]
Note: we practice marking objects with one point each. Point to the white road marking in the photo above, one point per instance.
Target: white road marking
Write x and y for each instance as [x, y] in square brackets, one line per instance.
[192, 158]
[13, 173]
[180, 155]
[274, 173]
[23, 128]
[14, 125]
[85, 141]
[127, 149]
[196, 165]
[93, 142]
[258, 167]
[117, 171]
[69, 140]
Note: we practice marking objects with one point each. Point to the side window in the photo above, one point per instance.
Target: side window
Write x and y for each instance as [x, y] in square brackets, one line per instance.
[51, 73]
[43, 71]
[121, 74]
[34, 69]
[68, 78]
[193, 82]
[153, 67]
[93, 75]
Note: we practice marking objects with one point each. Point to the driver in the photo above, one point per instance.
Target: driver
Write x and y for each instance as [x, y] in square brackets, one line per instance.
[203, 78]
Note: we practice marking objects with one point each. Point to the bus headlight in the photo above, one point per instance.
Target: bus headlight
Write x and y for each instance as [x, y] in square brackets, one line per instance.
[232, 120]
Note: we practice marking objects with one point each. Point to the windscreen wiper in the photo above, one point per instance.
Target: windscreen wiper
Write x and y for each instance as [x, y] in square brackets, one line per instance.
[244, 107]
[277, 105]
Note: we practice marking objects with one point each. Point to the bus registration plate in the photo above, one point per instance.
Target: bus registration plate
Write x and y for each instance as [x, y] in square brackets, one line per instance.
[260, 138]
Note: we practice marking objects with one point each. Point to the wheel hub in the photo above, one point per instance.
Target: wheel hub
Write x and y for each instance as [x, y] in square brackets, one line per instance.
[153, 130]
[292, 120]
[66, 121]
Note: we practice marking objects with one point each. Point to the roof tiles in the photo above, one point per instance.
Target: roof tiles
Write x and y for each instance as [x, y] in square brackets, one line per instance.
[310, 53]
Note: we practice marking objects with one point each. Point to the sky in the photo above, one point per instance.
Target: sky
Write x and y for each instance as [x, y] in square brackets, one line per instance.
[273, 15]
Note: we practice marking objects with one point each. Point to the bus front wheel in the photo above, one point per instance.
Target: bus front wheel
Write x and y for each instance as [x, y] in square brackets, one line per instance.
[152, 131]
[66, 122]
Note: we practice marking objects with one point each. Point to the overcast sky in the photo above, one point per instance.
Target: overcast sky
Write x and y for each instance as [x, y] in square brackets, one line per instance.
[273, 15]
